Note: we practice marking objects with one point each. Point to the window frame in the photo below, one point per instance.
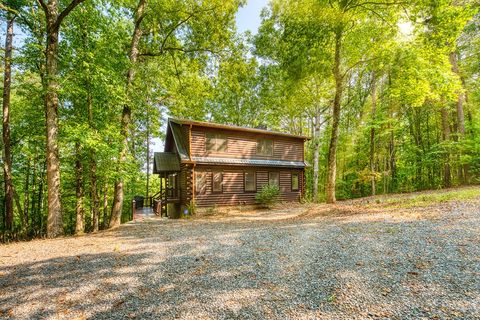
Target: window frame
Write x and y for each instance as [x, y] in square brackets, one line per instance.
[221, 181]
[207, 138]
[216, 145]
[259, 142]
[245, 181]
[278, 175]
[298, 181]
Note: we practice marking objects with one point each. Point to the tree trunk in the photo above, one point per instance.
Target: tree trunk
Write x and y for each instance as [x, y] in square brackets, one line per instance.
[392, 162]
[80, 193]
[461, 96]
[392, 159]
[372, 132]
[17, 201]
[93, 165]
[463, 170]
[147, 191]
[105, 206]
[7, 158]
[40, 198]
[94, 193]
[55, 217]
[118, 193]
[446, 137]
[332, 149]
[26, 200]
[53, 21]
[33, 191]
[316, 153]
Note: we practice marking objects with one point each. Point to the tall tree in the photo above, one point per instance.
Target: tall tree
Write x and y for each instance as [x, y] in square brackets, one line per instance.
[118, 192]
[80, 192]
[372, 132]
[53, 21]
[11, 14]
[332, 148]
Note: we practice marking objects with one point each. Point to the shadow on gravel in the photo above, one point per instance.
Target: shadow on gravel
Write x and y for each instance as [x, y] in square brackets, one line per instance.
[286, 269]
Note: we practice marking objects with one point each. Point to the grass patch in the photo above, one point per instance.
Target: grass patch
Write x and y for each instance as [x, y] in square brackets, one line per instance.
[427, 199]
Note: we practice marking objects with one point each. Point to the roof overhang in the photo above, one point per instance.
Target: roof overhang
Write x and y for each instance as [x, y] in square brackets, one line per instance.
[235, 128]
[250, 162]
[165, 162]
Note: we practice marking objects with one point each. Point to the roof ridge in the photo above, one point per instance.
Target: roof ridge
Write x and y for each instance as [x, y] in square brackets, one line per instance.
[183, 121]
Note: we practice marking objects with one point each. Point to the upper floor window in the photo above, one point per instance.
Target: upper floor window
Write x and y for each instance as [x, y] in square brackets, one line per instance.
[265, 147]
[215, 142]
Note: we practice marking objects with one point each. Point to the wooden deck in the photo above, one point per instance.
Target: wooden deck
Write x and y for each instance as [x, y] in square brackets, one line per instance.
[145, 212]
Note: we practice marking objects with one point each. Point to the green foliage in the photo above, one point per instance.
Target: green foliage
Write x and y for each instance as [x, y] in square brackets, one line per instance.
[192, 208]
[427, 199]
[193, 63]
[268, 195]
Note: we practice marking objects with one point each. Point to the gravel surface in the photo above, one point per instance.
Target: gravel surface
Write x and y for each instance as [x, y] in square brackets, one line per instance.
[397, 264]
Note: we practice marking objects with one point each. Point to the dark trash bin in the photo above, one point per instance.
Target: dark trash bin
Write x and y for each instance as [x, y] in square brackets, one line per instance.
[138, 201]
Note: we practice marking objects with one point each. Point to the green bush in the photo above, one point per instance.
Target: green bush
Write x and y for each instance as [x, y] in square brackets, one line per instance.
[192, 208]
[268, 195]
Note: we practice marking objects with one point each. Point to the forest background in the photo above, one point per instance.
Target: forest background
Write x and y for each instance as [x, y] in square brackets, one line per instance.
[388, 90]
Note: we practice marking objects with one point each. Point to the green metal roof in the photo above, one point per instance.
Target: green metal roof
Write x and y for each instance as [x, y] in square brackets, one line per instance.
[165, 162]
[179, 139]
[250, 162]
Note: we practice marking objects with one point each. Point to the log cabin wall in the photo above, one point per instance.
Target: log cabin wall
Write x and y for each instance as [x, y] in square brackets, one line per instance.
[186, 183]
[244, 145]
[233, 192]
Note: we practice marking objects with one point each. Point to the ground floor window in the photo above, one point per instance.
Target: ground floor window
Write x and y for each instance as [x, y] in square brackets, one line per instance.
[274, 178]
[295, 181]
[200, 182]
[249, 179]
[217, 181]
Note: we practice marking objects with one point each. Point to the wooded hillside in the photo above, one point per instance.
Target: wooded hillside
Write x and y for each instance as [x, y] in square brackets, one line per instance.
[388, 90]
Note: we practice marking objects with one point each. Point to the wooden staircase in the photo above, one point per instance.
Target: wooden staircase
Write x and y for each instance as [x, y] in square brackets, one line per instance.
[161, 199]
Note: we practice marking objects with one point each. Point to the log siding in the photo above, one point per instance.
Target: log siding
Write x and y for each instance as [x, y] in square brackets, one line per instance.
[244, 145]
[233, 187]
[188, 141]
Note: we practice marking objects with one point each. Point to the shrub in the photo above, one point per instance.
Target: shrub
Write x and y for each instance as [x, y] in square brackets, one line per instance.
[192, 208]
[268, 195]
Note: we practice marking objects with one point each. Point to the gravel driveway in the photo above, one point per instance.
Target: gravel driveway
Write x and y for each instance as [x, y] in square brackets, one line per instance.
[362, 265]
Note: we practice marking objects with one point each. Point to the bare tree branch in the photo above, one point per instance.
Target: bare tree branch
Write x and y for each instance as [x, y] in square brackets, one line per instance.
[176, 69]
[358, 63]
[375, 3]
[380, 16]
[184, 50]
[8, 9]
[173, 30]
[181, 22]
[65, 12]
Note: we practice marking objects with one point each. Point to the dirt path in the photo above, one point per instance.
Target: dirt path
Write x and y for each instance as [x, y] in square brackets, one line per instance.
[352, 260]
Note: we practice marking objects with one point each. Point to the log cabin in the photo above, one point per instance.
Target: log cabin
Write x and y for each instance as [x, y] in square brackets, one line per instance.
[212, 164]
